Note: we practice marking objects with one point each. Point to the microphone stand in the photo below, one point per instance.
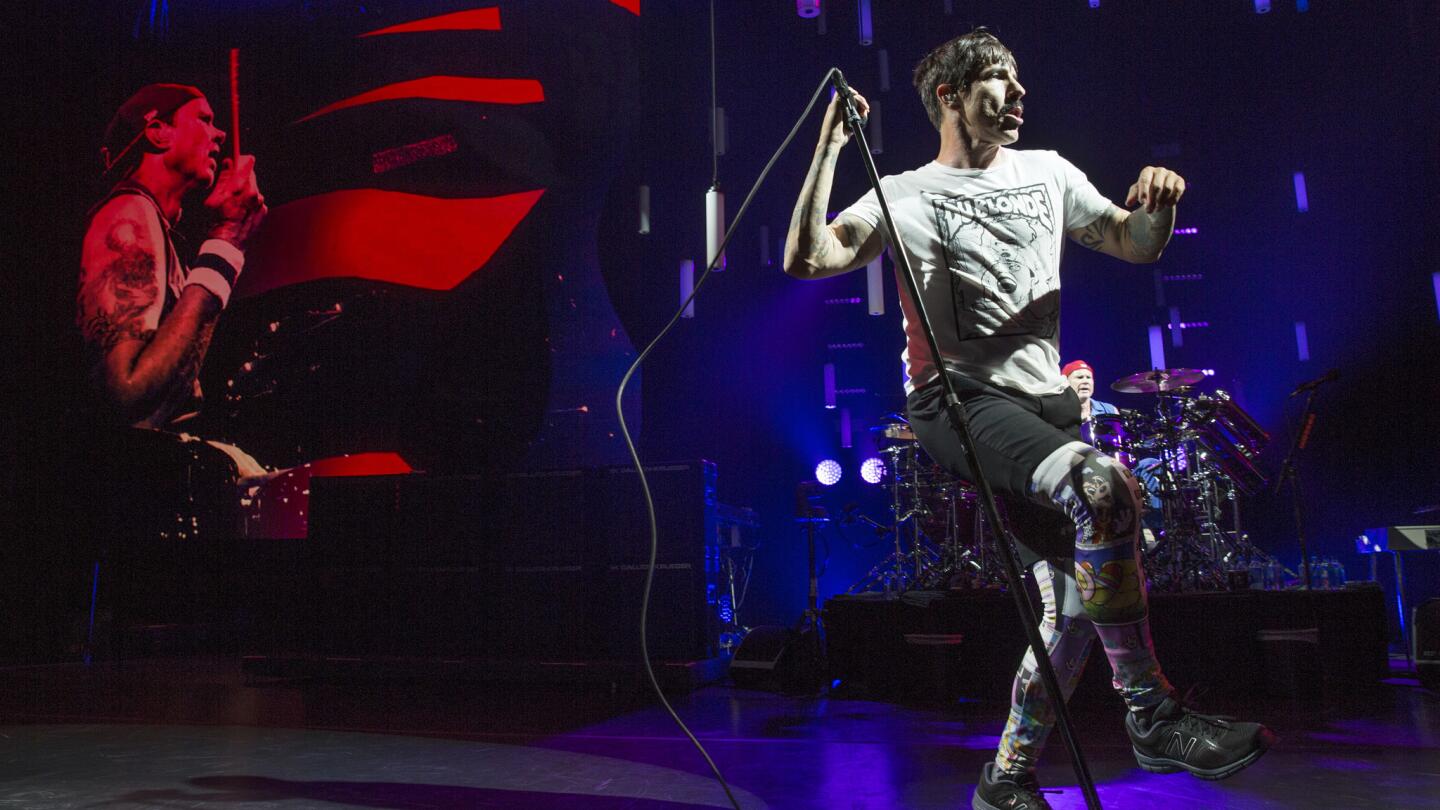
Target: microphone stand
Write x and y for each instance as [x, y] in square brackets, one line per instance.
[1298, 438]
[960, 421]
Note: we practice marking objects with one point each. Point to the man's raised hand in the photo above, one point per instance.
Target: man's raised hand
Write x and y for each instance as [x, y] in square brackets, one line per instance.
[834, 129]
[236, 201]
[1156, 189]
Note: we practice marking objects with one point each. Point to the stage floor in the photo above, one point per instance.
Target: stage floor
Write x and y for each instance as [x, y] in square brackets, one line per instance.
[192, 734]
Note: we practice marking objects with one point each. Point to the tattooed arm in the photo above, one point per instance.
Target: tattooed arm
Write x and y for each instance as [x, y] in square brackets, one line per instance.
[1138, 236]
[144, 366]
[813, 249]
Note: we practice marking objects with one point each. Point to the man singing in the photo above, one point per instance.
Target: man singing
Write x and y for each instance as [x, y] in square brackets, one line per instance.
[982, 225]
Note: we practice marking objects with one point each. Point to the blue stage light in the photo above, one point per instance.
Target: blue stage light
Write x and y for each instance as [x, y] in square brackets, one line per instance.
[828, 472]
[872, 470]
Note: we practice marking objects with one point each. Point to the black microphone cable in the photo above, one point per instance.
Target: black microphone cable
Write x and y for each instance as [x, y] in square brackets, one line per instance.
[635, 454]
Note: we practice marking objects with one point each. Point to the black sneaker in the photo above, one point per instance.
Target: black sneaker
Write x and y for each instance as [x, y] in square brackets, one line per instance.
[1007, 791]
[1210, 747]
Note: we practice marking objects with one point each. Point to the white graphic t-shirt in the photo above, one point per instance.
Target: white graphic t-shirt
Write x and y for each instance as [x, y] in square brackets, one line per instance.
[986, 245]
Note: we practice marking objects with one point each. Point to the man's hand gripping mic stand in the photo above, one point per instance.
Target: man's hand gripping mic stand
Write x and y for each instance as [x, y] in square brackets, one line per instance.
[955, 410]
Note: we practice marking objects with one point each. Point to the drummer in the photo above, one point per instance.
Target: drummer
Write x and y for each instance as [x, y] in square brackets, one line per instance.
[1081, 377]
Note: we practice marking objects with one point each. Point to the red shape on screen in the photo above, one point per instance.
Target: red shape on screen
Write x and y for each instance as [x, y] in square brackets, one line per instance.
[429, 242]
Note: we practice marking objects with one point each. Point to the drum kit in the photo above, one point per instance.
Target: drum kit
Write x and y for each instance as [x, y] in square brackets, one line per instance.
[1193, 454]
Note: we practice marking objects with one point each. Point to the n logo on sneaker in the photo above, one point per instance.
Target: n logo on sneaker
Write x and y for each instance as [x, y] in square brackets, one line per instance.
[1180, 746]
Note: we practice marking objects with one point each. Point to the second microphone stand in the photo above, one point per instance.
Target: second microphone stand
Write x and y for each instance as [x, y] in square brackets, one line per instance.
[960, 422]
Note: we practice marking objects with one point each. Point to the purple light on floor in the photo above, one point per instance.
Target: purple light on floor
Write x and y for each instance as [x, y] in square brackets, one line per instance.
[1302, 200]
[828, 472]
[1157, 347]
[1302, 341]
[830, 385]
[872, 470]
[807, 8]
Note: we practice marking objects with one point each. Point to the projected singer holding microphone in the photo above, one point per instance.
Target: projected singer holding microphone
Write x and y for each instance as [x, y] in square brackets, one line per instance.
[983, 225]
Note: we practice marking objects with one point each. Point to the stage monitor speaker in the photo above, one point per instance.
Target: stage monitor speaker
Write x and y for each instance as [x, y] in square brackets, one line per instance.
[778, 659]
[1425, 642]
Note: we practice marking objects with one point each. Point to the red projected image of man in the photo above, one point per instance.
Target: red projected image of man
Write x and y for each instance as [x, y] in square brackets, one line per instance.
[145, 316]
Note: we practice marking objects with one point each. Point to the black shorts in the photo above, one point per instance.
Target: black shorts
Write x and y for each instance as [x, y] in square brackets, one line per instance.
[1014, 432]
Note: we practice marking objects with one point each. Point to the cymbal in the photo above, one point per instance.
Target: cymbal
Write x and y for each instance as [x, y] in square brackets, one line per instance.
[1159, 380]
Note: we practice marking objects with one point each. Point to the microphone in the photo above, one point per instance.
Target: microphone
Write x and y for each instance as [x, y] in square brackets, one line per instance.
[1329, 376]
[842, 87]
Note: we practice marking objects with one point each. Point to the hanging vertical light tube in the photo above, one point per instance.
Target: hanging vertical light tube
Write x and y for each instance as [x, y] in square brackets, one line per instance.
[687, 287]
[765, 246]
[714, 227]
[867, 24]
[846, 441]
[875, 287]
[882, 59]
[1157, 347]
[643, 205]
[1302, 197]
[1177, 339]
[807, 8]
[715, 198]
[830, 386]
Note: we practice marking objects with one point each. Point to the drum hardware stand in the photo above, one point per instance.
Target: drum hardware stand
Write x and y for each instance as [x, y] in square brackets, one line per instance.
[959, 420]
[811, 624]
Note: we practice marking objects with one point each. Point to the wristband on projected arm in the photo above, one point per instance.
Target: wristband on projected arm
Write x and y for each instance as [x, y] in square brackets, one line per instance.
[216, 269]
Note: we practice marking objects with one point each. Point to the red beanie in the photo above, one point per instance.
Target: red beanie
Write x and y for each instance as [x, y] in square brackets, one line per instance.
[1074, 366]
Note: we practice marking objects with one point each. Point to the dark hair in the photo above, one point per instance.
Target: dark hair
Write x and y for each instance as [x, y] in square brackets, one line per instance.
[958, 63]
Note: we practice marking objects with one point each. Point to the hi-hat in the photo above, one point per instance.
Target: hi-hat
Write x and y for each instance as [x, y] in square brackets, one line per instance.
[1158, 381]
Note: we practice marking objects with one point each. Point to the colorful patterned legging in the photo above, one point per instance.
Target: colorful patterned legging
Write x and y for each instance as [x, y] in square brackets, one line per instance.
[1102, 595]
